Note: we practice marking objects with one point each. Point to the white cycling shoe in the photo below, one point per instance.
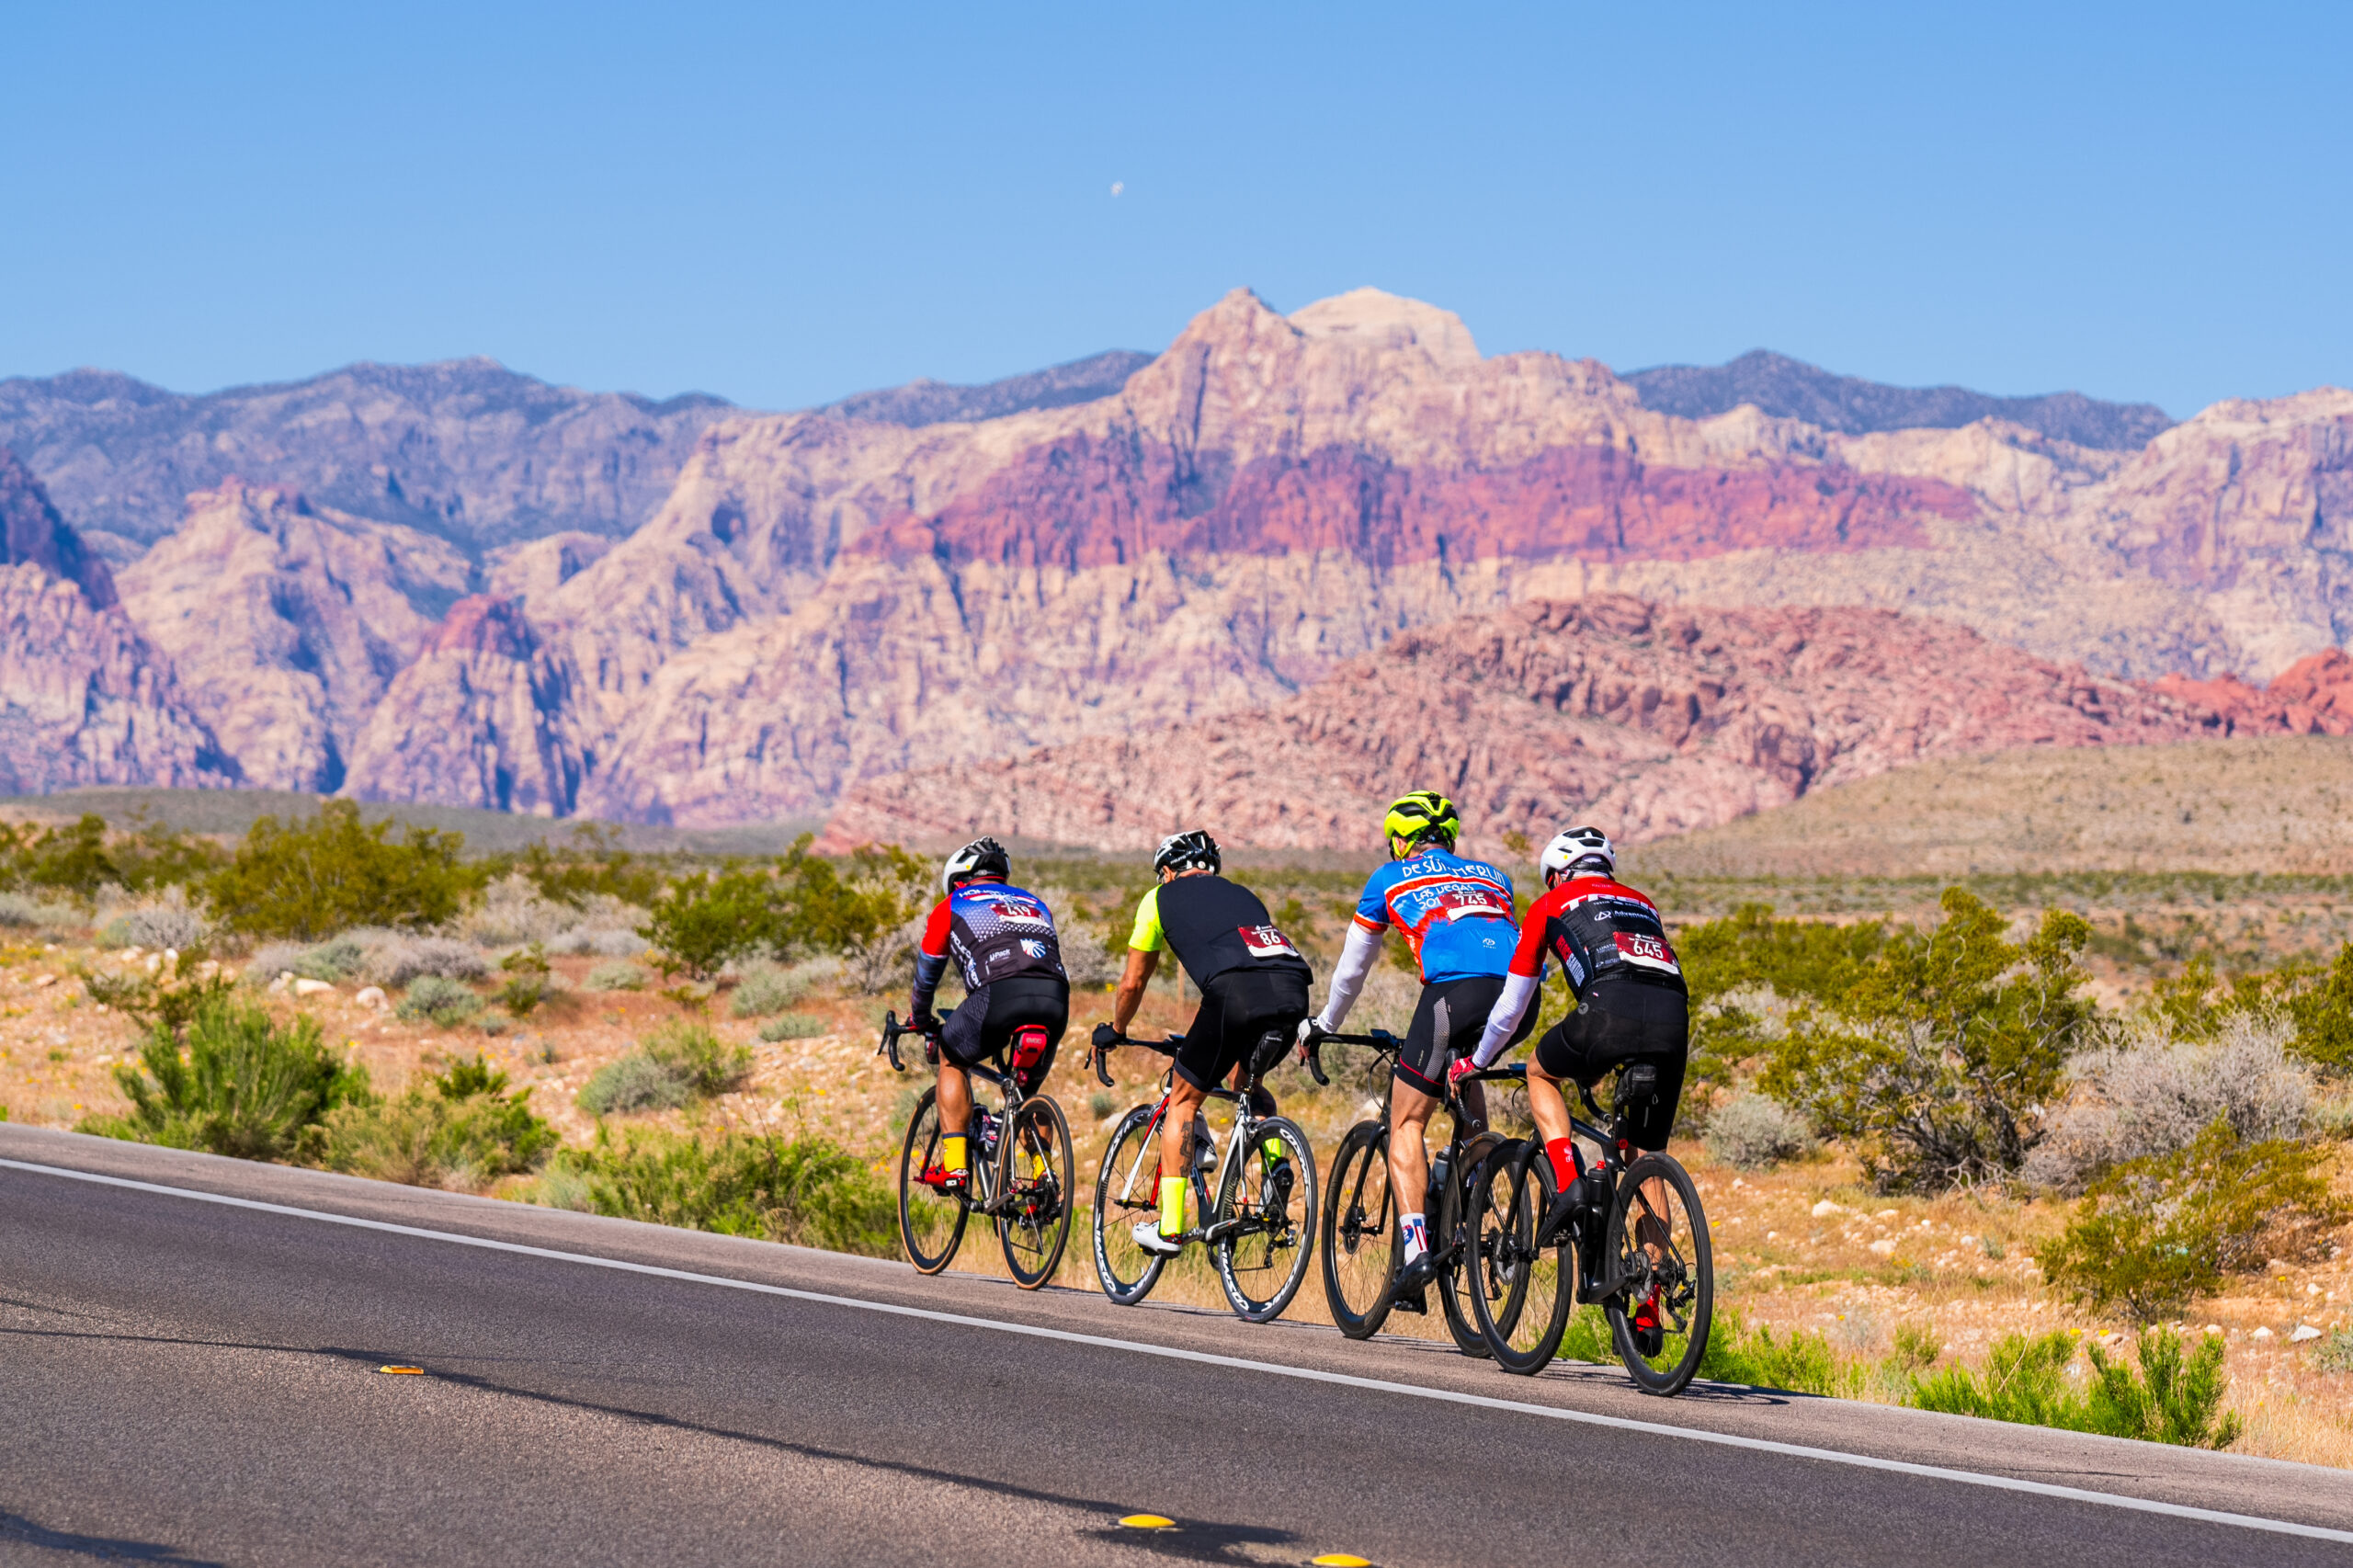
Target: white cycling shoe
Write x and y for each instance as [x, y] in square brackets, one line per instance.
[1147, 1236]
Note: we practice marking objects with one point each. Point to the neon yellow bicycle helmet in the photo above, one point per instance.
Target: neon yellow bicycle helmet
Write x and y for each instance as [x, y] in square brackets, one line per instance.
[1424, 814]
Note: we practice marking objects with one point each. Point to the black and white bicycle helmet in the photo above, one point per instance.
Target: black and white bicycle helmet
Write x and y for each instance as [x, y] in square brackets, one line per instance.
[982, 857]
[1577, 850]
[1184, 851]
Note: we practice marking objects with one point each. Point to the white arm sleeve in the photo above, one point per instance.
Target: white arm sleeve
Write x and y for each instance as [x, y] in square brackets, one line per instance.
[1355, 961]
[1519, 990]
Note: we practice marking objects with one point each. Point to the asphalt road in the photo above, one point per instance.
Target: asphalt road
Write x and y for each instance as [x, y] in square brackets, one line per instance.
[193, 1381]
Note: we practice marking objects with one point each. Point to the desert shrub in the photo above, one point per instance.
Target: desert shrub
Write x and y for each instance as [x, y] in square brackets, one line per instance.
[310, 878]
[634, 1081]
[2322, 1015]
[527, 984]
[2172, 1399]
[2150, 1094]
[400, 960]
[459, 1129]
[1934, 1064]
[67, 857]
[617, 977]
[171, 923]
[231, 1082]
[807, 1190]
[593, 867]
[2156, 1232]
[766, 988]
[26, 912]
[1752, 1131]
[438, 1000]
[708, 1064]
[795, 1026]
[2334, 1352]
[1793, 1360]
[511, 911]
[708, 918]
[335, 960]
[167, 998]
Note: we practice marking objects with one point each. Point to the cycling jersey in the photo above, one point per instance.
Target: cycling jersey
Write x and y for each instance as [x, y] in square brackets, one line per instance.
[993, 931]
[1212, 926]
[1601, 930]
[1454, 913]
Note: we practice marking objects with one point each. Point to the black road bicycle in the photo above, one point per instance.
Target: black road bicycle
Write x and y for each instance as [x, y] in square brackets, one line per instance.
[1019, 1172]
[1360, 1251]
[1644, 1245]
[1260, 1226]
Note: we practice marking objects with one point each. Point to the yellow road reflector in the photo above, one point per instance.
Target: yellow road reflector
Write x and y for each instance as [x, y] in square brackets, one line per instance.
[1341, 1560]
[1148, 1522]
[403, 1371]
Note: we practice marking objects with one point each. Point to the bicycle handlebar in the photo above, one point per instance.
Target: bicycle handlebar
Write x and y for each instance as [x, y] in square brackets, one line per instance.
[891, 1030]
[1380, 1040]
[1105, 1039]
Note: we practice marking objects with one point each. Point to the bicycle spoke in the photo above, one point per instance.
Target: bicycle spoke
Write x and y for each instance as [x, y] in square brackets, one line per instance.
[1658, 1243]
[931, 1220]
[1358, 1238]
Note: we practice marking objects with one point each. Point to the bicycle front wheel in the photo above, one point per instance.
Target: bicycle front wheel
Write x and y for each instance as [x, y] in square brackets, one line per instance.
[1033, 1182]
[1265, 1221]
[1451, 1235]
[1520, 1293]
[1658, 1246]
[931, 1220]
[1127, 1190]
[1359, 1233]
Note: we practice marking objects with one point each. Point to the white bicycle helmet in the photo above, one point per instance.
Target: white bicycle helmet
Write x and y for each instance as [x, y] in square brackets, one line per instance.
[982, 857]
[1577, 850]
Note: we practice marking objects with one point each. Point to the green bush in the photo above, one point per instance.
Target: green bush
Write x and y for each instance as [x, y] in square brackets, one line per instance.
[795, 1026]
[2156, 1232]
[527, 985]
[335, 960]
[710, 917]
[707, 1066]
[447, 1003]
[634, 1081]
[2333, 1354]
[806, 1190]
[459, 1130]
[593, 865]
[2324, 1016]
[1935, 1063]
[306, 880]
[805, 904]
[2173, 1399]
[617, 976]
[1796, 1360]
[236, 1084]
[766, 988]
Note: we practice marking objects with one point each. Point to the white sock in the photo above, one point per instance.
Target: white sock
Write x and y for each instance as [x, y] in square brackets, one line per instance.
[1416, 1231]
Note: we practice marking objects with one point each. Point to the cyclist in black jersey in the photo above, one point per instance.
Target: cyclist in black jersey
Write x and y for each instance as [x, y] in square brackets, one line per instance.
[1254, 987]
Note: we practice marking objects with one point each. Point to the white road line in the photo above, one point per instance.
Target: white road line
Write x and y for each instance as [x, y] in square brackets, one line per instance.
[1269, 1369]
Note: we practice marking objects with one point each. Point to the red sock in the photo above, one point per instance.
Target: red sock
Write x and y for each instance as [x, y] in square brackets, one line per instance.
[1563, 1154]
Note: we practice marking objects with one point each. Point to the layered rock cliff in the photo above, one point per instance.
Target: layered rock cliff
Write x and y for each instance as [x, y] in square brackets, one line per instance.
[1644, 720]
[83, 697]
[287, 622]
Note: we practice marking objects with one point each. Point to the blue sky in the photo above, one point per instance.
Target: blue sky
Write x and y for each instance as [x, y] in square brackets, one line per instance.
[783, 206]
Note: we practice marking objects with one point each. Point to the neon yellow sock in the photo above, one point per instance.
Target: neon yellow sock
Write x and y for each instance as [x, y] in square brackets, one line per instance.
[951, 1152]
[1172, 1206]
[1272, 1148]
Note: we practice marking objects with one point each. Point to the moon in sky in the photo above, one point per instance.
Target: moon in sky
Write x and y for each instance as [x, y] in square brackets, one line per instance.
[1117, 186]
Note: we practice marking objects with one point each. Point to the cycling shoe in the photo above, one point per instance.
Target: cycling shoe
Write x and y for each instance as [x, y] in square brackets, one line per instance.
[1147, 1236]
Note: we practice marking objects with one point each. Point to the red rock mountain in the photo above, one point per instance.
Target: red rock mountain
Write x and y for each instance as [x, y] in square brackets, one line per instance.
[83, 697]
[2310, 697]
[1647, 720]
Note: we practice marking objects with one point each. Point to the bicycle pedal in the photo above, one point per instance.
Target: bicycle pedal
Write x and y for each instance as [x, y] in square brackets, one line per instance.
[1419, 1304]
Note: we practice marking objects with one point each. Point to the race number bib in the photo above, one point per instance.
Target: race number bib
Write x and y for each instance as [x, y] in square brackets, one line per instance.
[1266, 942]
[1474, 904]
[1647, 953]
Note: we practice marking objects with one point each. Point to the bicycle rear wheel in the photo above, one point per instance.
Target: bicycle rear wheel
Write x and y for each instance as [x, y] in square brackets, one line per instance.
[1520, 1294]
[931, 1222]
[1658, 1244]
[1033, 1179]
[1127, 1189]
[1359, 1233]
[1265, 1221]
[1452, 1232]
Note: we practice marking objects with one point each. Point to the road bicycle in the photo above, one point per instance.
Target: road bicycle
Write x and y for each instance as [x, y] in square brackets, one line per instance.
[1645, 1242]
[1020, 1172]
[1259, 1227]
[1359, 1238]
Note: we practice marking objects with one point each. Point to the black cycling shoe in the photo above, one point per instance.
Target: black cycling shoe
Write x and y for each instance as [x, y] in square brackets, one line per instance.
[1279, 1185]
[1415, 1277]
[1411, 1302]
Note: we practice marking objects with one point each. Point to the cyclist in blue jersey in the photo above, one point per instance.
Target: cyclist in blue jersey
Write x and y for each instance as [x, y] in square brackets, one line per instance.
[1457, 916]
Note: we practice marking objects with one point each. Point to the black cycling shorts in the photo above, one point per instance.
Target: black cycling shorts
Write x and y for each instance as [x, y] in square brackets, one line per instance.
[1237, 1009]
[1621, 1022]
[1467, 1001]
[983, 1024]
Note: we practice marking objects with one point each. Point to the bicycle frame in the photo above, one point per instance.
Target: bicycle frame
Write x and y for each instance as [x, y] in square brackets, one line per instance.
[1239, 1137]
[984, 1200]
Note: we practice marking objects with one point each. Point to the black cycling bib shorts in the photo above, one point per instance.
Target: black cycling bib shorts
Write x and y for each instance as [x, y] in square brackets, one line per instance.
[1425, 1053]
[1623, 1021]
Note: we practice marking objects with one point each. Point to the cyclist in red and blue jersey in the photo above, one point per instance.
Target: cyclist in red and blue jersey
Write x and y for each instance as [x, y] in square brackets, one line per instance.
[1017, 995]
[1456, 916]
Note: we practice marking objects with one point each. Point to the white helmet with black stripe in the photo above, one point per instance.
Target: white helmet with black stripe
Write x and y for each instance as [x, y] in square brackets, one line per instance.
[982, 857]
[1577, 850]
